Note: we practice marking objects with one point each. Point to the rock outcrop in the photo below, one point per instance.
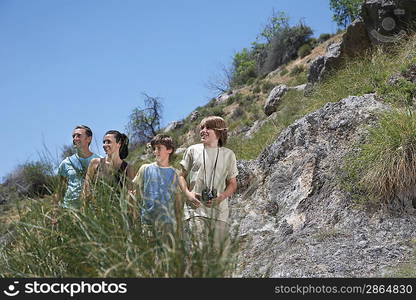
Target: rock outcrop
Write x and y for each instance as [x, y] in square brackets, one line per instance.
[291, 214]
[173, 126]
[274, 98]
[323, 63]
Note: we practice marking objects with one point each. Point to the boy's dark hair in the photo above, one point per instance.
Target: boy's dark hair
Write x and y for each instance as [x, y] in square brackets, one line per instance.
[123, 140]
[163, 139]
[218, 125]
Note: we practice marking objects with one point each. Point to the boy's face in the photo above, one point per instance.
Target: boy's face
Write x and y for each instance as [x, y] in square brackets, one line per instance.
[161, 153]
[208, 135]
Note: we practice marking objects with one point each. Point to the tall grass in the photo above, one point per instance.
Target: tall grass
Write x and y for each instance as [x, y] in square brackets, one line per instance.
[105, 241]
[385, 164]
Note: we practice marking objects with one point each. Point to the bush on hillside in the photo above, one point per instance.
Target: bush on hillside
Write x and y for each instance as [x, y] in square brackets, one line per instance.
[284, 47]
[267, 86]
[284, 71]
[244, 68]
[304, 50]
[297, 70]
[324, 37]
[31, 179]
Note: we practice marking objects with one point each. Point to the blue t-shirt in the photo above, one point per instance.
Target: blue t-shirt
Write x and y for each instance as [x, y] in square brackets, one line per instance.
[73, 168]
[157, 186]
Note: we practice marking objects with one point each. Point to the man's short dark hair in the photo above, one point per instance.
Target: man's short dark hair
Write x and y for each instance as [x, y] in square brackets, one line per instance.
[88, 130]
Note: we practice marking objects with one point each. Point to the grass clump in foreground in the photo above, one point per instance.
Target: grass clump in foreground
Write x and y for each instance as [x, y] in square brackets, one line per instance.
[105, 242]
[385, 164]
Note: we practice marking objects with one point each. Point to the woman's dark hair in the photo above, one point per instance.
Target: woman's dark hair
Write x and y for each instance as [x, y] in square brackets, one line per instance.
[123, 140]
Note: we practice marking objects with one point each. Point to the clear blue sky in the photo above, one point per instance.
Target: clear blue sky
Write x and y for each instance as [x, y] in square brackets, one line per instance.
[69, 62]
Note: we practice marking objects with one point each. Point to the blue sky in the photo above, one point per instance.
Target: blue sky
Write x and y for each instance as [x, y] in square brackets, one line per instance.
[69, 62]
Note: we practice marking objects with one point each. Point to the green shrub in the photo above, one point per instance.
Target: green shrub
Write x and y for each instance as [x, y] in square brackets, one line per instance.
[250, 81]
[304, 50]
[257, 89]
[284, 71]
[284, 47]
[244, 68]
[230, 100]
[324, 37]
[212, 102]
[267, 86]
[297, 70]
[31, 179]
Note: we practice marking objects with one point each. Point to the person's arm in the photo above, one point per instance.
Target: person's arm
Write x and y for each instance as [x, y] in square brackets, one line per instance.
[60, 191]
[190, 196]
[86, 189]
[230, 189]
[179, 203]
[131, 193]
[138, 191]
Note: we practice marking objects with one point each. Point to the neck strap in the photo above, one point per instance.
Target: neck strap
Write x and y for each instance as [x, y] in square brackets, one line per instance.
[213, 170]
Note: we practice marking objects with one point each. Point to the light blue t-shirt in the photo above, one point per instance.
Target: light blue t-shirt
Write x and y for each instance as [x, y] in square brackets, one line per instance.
[73, 168]
[157, 186]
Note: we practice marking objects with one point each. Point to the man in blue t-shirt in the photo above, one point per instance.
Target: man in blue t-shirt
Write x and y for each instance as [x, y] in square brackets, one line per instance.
[158, 187]
[73, 168]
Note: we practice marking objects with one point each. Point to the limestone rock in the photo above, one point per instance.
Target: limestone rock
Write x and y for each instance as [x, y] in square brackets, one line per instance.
[194, 115]
[173, 126]
[292, 215]
[274, 99]
[323, 63]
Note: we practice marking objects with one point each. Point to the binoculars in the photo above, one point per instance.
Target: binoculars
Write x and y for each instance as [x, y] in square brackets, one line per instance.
[207, 194]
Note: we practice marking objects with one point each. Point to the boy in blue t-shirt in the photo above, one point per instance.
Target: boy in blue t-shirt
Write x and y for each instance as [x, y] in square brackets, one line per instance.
[158, 187]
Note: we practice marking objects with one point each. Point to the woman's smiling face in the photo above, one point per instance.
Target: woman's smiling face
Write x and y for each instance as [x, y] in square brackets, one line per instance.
[110, 144]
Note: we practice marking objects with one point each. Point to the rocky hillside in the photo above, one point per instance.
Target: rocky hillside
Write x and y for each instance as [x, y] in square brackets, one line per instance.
[294, 218]
[292, 214]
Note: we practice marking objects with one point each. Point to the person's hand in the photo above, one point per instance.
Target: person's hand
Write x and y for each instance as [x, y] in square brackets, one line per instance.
[215, 201]
[192, 200]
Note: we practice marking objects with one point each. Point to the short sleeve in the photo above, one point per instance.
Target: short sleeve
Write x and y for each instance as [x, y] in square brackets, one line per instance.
[187, 159]
[232, 167]
[138, 179]
[62, 169]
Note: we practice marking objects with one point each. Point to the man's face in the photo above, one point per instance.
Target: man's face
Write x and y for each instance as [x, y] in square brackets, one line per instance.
[161, 153]
[207, 135]
[80, 139]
